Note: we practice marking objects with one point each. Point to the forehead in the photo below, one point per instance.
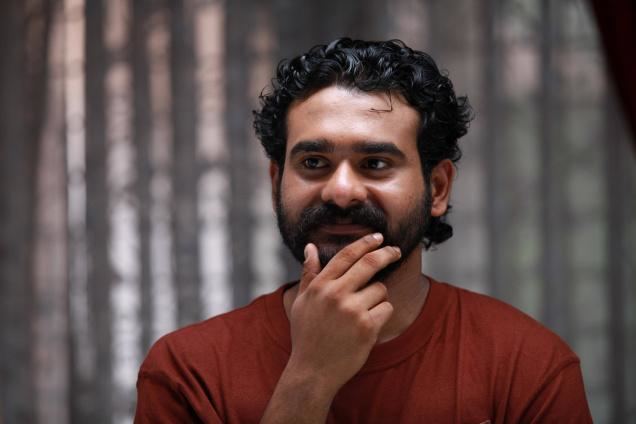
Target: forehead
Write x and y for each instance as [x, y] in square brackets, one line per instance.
[342, 115]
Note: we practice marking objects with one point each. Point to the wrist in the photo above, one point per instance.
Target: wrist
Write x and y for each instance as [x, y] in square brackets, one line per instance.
[310, 383]
[300, 396]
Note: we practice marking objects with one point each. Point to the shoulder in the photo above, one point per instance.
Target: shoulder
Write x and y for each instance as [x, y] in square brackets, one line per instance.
[198, 345]
[503, 331]
[190, 370]
[530, 372]
[528, 369]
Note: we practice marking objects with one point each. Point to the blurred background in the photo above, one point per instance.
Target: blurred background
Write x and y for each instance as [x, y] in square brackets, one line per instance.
[135, 198]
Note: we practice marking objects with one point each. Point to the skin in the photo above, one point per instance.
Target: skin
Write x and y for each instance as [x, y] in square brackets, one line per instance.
[336, 314]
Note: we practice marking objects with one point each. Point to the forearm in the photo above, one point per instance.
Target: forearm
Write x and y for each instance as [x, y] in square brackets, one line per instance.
[299, 397]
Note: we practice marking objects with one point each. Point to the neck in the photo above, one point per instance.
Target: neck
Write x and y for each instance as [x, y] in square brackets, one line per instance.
[407, 291]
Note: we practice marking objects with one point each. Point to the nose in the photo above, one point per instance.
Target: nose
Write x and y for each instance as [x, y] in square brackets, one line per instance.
[344, 187]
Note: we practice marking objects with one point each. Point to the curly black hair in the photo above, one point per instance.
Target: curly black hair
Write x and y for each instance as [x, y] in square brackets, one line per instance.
[372, 66]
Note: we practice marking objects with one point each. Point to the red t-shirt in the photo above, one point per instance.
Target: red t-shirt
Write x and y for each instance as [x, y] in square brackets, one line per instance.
[467, 358]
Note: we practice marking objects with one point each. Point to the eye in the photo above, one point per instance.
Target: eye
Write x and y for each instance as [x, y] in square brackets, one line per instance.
[375, 164]
[314, 163]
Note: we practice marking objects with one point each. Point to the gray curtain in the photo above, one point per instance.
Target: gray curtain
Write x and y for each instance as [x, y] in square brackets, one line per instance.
[134, 196]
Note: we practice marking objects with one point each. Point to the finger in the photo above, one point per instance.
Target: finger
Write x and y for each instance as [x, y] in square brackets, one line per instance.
[311, 266]
[349, 255]
[380, 314]
[370, 296]
[370, 264]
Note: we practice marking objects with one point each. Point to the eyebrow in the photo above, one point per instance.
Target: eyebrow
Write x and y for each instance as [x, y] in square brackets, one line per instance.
[366, 147]
[374, 148]
[312, 146]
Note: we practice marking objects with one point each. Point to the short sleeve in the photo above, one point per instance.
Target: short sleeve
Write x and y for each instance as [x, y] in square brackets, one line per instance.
[560, 399]
[159, 401]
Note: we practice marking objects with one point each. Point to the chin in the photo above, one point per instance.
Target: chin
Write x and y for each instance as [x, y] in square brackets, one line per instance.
[326, 251]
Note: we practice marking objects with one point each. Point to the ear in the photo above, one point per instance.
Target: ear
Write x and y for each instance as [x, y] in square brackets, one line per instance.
[274, 175]
[441, 183]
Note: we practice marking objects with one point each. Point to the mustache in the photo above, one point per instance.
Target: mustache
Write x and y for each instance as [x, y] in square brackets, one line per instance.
[365, 214]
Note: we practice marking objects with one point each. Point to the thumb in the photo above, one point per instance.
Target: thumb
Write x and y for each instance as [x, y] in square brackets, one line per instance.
[311, 266]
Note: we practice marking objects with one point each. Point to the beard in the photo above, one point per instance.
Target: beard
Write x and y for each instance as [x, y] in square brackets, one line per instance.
[406, 233]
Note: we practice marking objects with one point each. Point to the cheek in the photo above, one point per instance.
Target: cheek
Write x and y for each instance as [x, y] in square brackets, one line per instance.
[296, 195]
[401, 195]
[293, 182]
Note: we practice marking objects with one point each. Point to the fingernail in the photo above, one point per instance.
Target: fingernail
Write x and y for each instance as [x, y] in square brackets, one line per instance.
[377, 236]
[397, 250]
[306, 253]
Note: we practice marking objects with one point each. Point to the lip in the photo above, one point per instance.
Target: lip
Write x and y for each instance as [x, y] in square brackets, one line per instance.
[345, 229]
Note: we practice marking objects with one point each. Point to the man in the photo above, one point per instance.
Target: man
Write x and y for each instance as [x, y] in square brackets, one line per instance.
[362, 138]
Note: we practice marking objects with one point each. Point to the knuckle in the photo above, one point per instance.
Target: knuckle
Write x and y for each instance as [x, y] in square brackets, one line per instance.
[307, 275]
[365, 325]
[373, 260]
[347, 309]
[312, 290]
[331, 297]
[348, 254]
